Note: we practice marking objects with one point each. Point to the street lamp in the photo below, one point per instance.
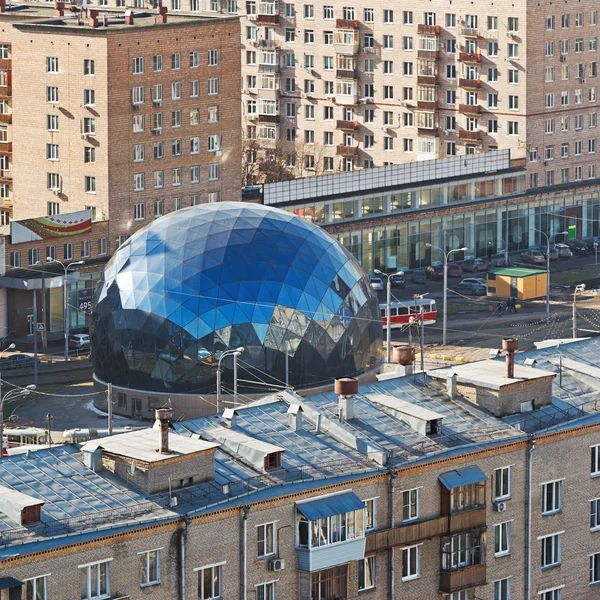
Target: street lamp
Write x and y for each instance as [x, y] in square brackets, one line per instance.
[547, 269]
[52, 261]
[235, 352]
[388, 302]
[578, 288]
[10, 395]
[446, 256]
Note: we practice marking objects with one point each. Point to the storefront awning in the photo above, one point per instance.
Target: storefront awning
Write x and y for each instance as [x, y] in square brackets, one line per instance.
[454, 479]
[330, 505]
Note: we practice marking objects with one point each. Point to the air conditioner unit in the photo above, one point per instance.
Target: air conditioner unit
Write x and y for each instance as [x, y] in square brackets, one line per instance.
[385, 128]
[499, 506]
[56, 192]
[276, 564]
[219, 153]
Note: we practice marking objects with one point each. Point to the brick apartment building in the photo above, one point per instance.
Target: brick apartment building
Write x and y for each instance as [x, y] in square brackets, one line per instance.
[401, 490]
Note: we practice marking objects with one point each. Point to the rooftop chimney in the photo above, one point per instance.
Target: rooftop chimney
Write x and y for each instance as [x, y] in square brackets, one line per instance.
[295, 416]
[93, 18]
[163, 415]
[128, 17]
[60, 8]
[510, 345]
[230, 417]
[346, 387]
[162, 14]
[2, 6]
[105, 20]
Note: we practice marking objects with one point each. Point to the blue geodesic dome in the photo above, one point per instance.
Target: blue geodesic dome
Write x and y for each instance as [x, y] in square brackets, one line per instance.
[209, 278]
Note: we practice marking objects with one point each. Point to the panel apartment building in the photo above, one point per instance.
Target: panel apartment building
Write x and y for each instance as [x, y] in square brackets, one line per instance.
[480, 485]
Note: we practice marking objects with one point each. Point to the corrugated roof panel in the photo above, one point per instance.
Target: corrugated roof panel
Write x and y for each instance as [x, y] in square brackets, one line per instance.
[466, 476]
[327, 506]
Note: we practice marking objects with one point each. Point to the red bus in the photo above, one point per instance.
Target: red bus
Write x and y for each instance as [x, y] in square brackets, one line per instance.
[402, 311]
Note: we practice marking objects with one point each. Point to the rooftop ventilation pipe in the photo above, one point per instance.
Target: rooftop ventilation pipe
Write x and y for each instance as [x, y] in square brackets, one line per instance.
[163, 416]
[346, 388]
[295, 416]
[93, 18]
[510, 345]
[162, 15]
[128, 17]
[60, 8]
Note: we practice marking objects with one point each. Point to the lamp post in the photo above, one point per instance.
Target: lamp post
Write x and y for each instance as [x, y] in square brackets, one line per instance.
[235, 352]
[66, 268]
[446, 256]
[547, 269]
[578, 288]
[388, 349]
[10, 395]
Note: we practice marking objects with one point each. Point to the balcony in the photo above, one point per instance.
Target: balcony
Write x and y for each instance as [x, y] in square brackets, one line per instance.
[406, 534]
[346, 74]
[5, 63]
[427, 54]
[423, 132]
[426, 79]
[471, 32]
[346, 24]
[426, 105]
[6, 118]
[267, 19]
[268, 68]
[346, 125]
[5, 147]
[346, 42]
[268, 118]
[467, 577]
[5, 92]
[469, 58]
[470, 84]
[475, 518]
[469, 109]
[428, 29]
[347, 151]
[346, 99]
[6, 176]
[469, 136]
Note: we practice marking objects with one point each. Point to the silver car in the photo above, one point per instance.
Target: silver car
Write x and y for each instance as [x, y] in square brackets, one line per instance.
[376, 283]
[563, 250]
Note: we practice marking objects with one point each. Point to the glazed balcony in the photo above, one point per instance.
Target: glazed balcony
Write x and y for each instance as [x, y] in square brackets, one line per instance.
[469, 58]
[406, 534]
[427, 54]
[347, 151]
[268, 118]
[469, 136]
[6, 176]
[428, 29]
[5, 63]
[6, 118]
[470, 84]
[469, 109]
[476, 517]
[427, 132]
[429, 106]
[346, 125]
[345, 41]
[267, 19]
[5, 147]
[346, 24]
[427, 79]
[463, 578]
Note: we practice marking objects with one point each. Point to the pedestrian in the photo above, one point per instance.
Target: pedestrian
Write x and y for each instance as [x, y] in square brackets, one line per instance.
[513, 304]
[508, 305]
[500, 308]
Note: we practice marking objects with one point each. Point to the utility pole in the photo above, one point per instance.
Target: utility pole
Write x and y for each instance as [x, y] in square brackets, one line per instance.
[422, 316]
[109, 405]
[49, 420]
[35, 340]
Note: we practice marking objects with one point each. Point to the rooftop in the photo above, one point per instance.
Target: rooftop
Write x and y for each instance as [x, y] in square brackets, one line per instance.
[517, 272]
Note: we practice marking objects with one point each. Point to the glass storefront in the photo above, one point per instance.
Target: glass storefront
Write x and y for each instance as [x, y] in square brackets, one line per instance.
[78, 319]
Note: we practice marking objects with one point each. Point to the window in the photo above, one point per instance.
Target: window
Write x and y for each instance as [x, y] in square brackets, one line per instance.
[388, 16]
[371, 522]
[551, 497]
[595, 514]
[595, 568]
[366, 573]
[213, 86]
[329, 583]
[555, 594]
[33, 255]
[209, 582]
[410, 563]
[565, 21]
[513, 50]
[176, 61]
[176, 147]
[149, 568]
[52, 152]
[89, 97]
[95, 578]
[51, 94]
[502, 589]
[214, 143]
[139, 182]
[194, 88]
[158, 150]
[176, 90]
[159, 211]
[52, 208]
[89, 125]
[462, 550]
[266, 591]
[410, 504]
[388, 143]
[52, 64]
[177, 176]
[138, 65]
[467, 496]
[53, 181]
[213, 58]
[176, 118]
[330, 530]
[502, 483]
[513, 127]
[595, 467]
[502, 538]
[368, 15]
[451, 20]
[15, 259]
[37, 588]
[139, 211]
[551, 547]
[85, 249]
[88, 67]
[52, 122]
[138, 123]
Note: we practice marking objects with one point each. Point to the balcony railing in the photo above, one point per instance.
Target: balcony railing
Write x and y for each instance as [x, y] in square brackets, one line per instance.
[346, 74]
[469, 136]
[427, 132]
[428, 54]
[476, 517]
[5, 63]
[347, 151]
[426, 105]
[406, 534]
[470, 84]
[428, 29]
[5, 118]
[469, 58]
[426, 79]
[346, 24]
[5, 147]
[346, 42]
[452, 581]
[469, 32]
[268, 118]
[267, 19]
[347, 125]
[469, 109]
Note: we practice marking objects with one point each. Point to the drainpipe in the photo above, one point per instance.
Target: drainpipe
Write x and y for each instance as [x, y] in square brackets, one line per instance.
[529, 488]
[244, 561]
[182, 540]
[393, 476]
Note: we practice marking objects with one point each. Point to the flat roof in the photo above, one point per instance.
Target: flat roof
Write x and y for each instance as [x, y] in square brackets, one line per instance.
[142, 444]
[490, 373]
[517, 272]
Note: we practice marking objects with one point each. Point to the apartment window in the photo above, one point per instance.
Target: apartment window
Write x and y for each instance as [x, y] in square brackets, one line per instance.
[53, 181]
[213, 86]
[513, 50]
[176, 119]
[209, 582]
[549, 101]
[89, 125]
[214, 142]
[159, 211]
[214, 197]
[149, 568]
[451, 20]
[176, 147]
[4, 51]
[593, 17]
[410, 562]
[309, 36]
[213, 58]
[592, 146]
[194, 59]
[37, 588]
[388, 143]
[595, 568]
[138, 152]
[139, 182]
[471, 21]
[138, 123]
[52, 122]
[85, 249]
[513, 102]
[565, 21]
[89, 97]
[33, 255]
[52, 64]
[388, 67]
[176, 61]
[328, 13]
[388, 16]
[139, 211]
[52, 208]
[595, 456]
[550, 74]
[503, 483]
[564, 150]
[138, 65]
[492, 100]
[266, 539]
[549, 153]
[4, 217]
[195, 200]
[309, 11]
[51, 94]
[157, 63]
[502, 589]
[595, 514]
[368, 15]
[95, 577]
[177, 176]
[366, 573]
[176, 90]
[266, 591]
[513, 24]
[410, 504]
[158, 150]
[194, 175]
[88, 67]
[513, 76]
[52, 151]
[551, 550]
[502, 538]
[15, 259]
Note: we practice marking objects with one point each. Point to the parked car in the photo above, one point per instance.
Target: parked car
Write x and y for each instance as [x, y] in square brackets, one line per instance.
[376, 283]
[554, 255]
[398, 281]
[580, 247]
[533, 257]
[16, 361]
[79, 341]
[435, 273]
[454, 270]
[418, 276]
[475, 280]
[471, 289]
[563, 250]
[475, 265]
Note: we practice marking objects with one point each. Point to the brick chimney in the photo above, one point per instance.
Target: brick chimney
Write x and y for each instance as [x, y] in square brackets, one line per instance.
[162, 14]
[128, 17]
[510, 345]
[60, 8]
[93, 18]
[105, 20]
[163, 416]
[2, 6]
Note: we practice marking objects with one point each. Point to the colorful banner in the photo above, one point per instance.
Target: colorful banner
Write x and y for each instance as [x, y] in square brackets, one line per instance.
[55, 226]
